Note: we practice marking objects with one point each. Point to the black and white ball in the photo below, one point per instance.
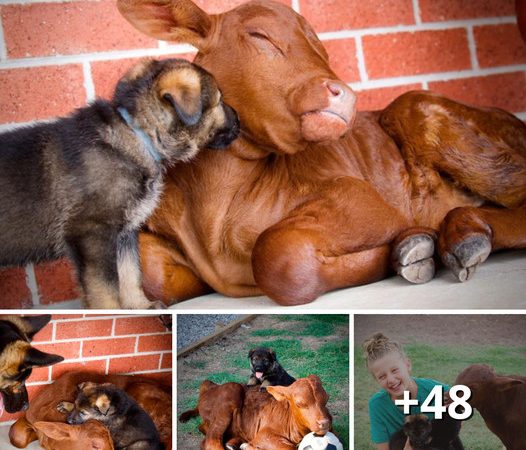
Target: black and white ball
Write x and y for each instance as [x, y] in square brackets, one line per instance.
[313, 441]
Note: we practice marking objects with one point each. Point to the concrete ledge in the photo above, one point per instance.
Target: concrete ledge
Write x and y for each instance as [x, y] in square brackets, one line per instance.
[6, 445]
[499, 283]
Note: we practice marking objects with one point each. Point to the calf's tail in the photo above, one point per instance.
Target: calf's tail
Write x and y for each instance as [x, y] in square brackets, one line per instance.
[187, 415]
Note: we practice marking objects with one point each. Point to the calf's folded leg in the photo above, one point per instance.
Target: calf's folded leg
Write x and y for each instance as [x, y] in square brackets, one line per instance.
[166, 277]
[340, 238]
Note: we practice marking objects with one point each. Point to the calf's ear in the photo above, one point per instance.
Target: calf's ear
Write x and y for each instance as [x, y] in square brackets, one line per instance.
[169, 20]
[505, 383]
[57, 431]
[278, 392]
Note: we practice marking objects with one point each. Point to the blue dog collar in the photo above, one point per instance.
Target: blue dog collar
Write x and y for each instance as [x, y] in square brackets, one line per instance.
[140, 133]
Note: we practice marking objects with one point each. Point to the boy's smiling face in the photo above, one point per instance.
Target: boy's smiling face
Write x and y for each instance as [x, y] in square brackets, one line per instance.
[393, 372]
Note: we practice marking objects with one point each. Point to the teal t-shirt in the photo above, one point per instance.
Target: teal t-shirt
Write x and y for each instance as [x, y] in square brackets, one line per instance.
[387, 418]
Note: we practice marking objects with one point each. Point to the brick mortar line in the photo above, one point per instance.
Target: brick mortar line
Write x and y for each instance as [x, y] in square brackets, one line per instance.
[472, 44]
[146, 371]
[360, 58]
[91, 316]
[96, 338]
[116, 356]
[416, 12]
[136, 346]
[295, 5]
[89, 86]
[3, 47]
[50, 381]
[114, 326]
[46, 308]
[86, 359]
[81, 58]
[436, 76]
[425, 26]
[31, 282]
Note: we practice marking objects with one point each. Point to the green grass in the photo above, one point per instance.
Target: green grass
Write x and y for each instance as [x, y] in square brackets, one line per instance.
[294, 348]
[442, 363]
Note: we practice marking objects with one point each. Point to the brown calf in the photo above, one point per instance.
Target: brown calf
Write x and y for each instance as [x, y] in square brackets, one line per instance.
[314, 196]
[500, 400]
[151, 396]
[273, 420]
[91, 435]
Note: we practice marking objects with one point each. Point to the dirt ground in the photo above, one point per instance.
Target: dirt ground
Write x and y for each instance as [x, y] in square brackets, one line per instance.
[506, 330]
[190, 367]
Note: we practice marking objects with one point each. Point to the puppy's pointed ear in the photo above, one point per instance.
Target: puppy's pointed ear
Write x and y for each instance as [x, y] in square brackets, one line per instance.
[33, 324]
[103, 404]
[251, 352]
[273, 354]
[36, 358]
[181, 87]
[86, 385]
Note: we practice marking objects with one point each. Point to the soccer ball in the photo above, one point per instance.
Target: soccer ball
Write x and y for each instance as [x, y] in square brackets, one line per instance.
[313, 441]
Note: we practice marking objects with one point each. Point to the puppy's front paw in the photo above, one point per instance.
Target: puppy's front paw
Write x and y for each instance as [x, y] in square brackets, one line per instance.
[65, 407]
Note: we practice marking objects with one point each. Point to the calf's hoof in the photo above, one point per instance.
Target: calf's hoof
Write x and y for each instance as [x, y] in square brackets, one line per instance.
[157, 305]
[413, 258]
[467, 255]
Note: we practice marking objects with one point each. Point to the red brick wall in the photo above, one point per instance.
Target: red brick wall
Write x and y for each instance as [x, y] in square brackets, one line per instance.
[105, 344]
[56, 56]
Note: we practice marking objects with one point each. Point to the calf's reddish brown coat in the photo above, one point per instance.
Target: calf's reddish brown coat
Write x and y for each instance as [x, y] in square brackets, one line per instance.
[149, 394]
[91, 435]
[275, 419]
[500, 400]
[314, 196]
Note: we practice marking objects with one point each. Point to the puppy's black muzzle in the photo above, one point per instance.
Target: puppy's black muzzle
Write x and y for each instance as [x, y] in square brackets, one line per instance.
[15, 401]
[74, 418]
[261, 366]
[226, 135]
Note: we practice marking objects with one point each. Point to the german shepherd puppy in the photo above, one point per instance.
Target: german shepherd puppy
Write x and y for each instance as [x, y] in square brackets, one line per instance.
[266, 370]
[18, 357]
[130, 427]
[427, 434]
[82, 186]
